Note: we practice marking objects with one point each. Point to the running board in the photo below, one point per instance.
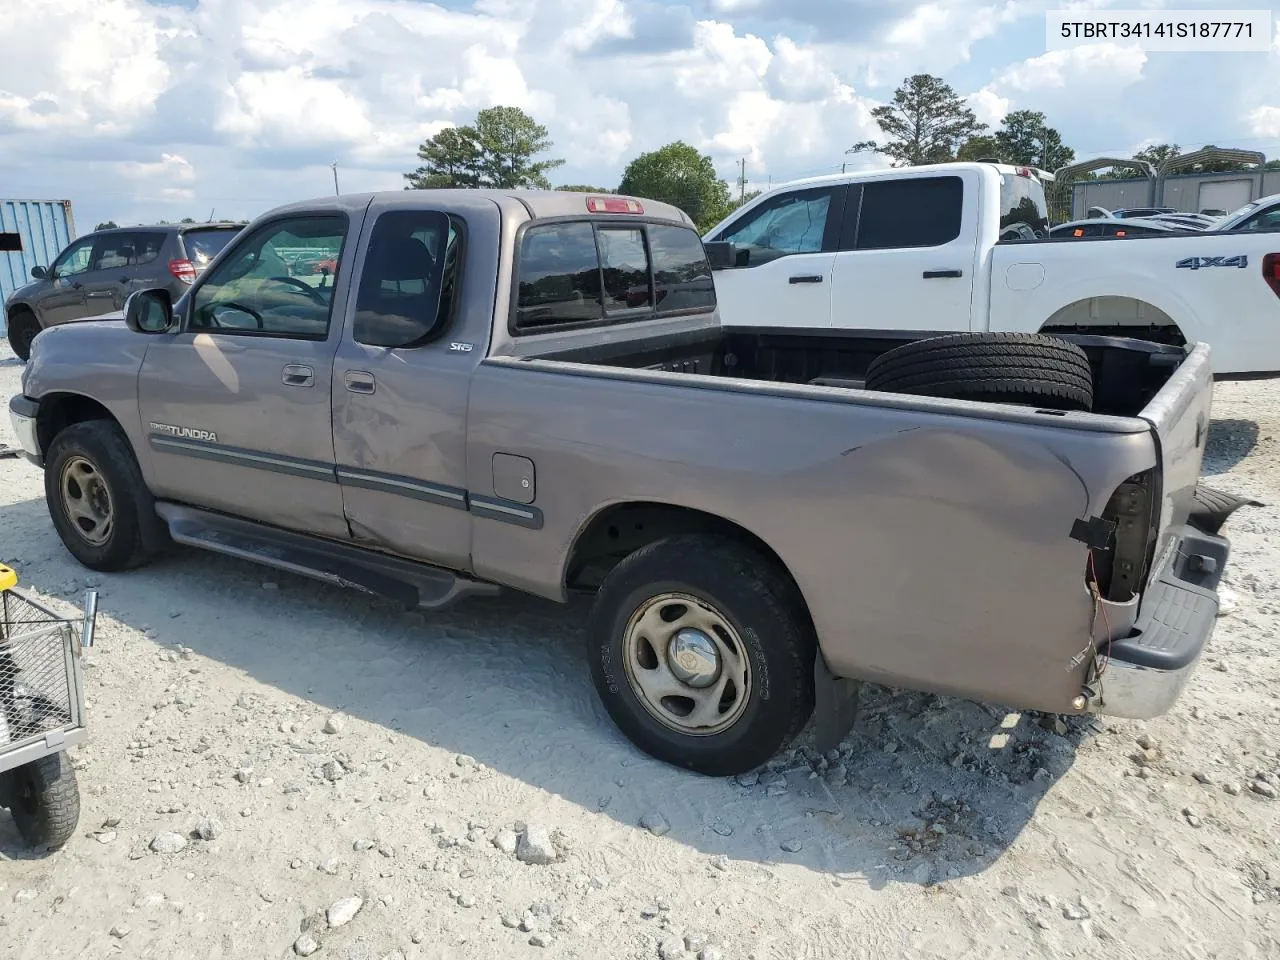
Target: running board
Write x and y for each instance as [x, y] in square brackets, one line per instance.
[415, 585]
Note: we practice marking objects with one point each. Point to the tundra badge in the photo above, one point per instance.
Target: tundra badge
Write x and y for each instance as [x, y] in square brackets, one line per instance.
[185, 433]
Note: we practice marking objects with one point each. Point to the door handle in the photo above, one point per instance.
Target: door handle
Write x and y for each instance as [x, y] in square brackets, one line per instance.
[297, 375]
[360, 382]
[806, 278]
[936, 274]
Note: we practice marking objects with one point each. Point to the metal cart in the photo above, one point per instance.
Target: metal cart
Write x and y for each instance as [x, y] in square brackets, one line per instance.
[41, 712]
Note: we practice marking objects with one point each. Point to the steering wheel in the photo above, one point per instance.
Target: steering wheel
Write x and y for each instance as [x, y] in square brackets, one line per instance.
[236, 305]
[303, 287]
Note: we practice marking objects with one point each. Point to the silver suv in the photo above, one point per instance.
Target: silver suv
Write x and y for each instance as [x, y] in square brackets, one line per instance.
[96, 273]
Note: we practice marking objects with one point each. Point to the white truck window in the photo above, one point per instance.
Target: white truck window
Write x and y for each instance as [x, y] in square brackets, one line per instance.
[786, 224]
[909, 212]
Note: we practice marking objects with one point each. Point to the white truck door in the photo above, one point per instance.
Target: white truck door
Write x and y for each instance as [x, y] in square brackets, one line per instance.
[908, 253]
[789, 239]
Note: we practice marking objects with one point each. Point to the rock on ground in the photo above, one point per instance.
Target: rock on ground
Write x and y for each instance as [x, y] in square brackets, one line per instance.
[535, 845]
[342, 912]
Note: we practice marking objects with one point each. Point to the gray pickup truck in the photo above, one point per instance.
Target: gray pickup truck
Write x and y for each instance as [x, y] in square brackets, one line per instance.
[532, 390]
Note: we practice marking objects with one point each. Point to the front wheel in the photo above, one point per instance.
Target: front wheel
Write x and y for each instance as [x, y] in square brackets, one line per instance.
[97, 498]
[44, 798]
[23, 327]
[702, 654]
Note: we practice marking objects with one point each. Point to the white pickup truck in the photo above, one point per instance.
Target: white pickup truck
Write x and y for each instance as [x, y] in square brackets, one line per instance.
[962, 247]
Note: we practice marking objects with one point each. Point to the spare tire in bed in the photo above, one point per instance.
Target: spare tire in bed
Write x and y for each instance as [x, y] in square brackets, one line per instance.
[1023, 368]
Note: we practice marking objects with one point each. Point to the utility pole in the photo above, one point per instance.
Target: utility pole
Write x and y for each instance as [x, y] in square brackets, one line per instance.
[334, 165]
[742, 180]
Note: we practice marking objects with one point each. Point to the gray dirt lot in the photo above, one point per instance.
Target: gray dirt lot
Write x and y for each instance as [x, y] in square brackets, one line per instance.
[942, 829]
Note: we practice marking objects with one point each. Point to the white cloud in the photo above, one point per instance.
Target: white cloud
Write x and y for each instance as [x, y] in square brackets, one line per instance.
[1080, 69]
[259, 96]
[1265, 122]
[989, 107]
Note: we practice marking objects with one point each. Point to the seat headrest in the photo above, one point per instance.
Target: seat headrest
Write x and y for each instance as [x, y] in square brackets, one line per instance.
[403, 259]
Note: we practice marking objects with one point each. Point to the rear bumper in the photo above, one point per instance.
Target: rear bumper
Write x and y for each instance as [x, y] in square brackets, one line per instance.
[1149, 667]
[23, 414]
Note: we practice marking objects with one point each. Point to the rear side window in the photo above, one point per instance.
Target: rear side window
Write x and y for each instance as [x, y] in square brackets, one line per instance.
[116, 251]
[582, 273]
[409, 276]
[910, 212]
[203, 245]
[559, 276]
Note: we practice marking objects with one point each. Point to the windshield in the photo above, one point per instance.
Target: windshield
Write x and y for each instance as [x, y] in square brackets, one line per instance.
[1235, 216]
[203, 245]
[1024, 214]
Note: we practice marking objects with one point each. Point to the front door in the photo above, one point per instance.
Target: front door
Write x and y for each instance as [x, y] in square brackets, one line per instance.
[236, 403]
[62, 298]
[908, 254]
[399, 390]
[120, 259]
[790, 242]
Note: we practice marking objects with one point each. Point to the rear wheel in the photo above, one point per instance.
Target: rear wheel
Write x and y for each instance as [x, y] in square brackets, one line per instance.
[97, 498]
[1023, 368]
[23, 327]
[44, 798]
[702, 654]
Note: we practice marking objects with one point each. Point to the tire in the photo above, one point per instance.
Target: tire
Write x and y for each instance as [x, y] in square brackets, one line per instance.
[98, 454]
[760, 615]
[1023, 368]
[44, 799]
[23, 327]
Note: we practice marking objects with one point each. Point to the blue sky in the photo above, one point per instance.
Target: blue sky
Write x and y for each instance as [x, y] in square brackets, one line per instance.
[141, 110]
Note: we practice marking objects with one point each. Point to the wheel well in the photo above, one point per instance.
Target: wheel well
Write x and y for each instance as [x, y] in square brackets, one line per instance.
[1116, 316]
[19, 308]
[619, 530]
[60, 410]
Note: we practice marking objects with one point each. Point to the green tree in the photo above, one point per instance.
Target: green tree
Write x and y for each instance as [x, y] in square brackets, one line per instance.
[679, 175]
[498, 150]
[926, 122]
[1026, 139]
[981, 147]
[449, 159]
[583, 188]
[107, 225]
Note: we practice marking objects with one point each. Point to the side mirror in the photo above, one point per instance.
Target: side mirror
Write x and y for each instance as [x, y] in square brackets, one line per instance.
[724, 254]
[149, 311]
[39, 273]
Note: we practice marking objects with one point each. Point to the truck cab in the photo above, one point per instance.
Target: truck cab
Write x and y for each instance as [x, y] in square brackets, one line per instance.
[900, 248]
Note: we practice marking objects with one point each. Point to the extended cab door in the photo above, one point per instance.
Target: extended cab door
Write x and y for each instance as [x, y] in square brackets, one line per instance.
[908, 253]
[790, 242]
[235, 403]
[403, 371]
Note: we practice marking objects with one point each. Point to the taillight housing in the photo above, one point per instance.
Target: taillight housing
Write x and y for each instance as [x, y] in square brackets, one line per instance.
[1271, 272]
[184, 270]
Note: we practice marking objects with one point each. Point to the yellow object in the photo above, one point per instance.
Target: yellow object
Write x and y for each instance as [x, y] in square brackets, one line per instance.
[8, 577]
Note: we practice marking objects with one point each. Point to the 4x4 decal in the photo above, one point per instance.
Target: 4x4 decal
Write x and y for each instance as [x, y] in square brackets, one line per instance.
[1197, 263]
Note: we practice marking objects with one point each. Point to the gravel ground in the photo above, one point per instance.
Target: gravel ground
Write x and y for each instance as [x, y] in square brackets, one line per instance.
[276, 769]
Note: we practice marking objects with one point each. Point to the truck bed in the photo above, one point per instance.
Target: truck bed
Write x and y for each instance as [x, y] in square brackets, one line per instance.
[1127, 373]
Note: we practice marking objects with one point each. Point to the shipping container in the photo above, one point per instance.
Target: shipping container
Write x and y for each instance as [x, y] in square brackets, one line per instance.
[32, 233]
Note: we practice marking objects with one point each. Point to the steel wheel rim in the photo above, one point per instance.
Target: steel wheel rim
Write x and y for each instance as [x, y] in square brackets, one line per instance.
[86, 501]
[666, 648]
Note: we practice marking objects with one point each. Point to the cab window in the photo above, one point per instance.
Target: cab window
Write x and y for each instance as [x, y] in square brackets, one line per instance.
[256, 291]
